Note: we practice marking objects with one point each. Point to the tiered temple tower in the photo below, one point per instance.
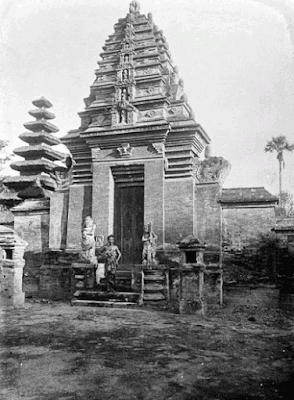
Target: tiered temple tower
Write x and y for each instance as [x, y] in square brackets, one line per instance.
[137, 149]
[37, 168]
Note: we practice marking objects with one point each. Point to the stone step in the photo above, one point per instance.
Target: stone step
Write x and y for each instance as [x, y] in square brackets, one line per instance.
[94, 295]
[153, 296]
[79, 277]
[94, 303]
[154, 278]
[153, 287]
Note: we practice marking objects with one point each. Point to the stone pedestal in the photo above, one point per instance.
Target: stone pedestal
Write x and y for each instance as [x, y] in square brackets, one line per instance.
[83, 276]
[213, 278]
[31, 222]
[11, 269]
[213, 287]
[191, 289]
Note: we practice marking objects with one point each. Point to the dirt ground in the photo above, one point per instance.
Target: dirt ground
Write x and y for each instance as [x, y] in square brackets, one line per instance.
[52, 351]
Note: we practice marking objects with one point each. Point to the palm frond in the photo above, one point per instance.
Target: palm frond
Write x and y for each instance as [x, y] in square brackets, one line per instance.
[278, 144]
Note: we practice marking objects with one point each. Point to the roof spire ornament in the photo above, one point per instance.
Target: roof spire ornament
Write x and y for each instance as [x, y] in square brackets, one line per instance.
[38, 166]
[134, 7]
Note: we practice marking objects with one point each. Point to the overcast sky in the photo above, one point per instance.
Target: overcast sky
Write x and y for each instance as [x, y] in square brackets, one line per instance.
[235, 57]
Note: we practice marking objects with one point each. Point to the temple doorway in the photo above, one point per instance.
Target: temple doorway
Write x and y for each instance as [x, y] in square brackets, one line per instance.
[129, 214]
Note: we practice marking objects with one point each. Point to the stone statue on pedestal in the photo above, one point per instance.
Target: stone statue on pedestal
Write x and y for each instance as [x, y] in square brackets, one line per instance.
[149, 240]
[88, 241]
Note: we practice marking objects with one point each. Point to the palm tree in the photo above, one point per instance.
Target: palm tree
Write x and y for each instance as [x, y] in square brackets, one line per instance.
[279, 144]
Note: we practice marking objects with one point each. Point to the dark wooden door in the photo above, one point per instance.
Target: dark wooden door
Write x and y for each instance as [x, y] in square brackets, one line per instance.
[129, 222]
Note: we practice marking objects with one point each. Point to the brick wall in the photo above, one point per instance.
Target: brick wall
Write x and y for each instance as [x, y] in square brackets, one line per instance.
[31, 223]
[263, 296]
[80, 206]
[55, 282]
[154, 196]
[179, 209]
[247, 239]
[59, 203]
[208, 213]
[103, 200]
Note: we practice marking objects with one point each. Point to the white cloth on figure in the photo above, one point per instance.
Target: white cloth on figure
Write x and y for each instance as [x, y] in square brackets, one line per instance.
[100, 272]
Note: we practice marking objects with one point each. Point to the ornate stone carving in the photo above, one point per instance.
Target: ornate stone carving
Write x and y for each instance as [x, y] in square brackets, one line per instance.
[88, 241]
[99, 241]
[124, 94]
[158, 147]
[95, 152]
[134, 7]
[149, 114]
[150, 17]
[99, 119]
[114, 116]
[212, 169]
[126, 58]
[62, 173]
[149, 240]
[125, 73]
[166, 163]
[100, 78]
[123, 116]
[207, 152]
[125, 150]
[174, 77]
[147, 71]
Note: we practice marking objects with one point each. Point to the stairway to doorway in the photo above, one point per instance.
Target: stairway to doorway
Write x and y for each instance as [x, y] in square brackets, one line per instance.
[155, 284]
[134, 286]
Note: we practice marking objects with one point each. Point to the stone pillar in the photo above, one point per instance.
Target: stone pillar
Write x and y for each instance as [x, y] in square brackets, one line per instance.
[103, 198]
[191, 290]
[179, 201]
[11, 269]
[31, 223]
[154, 196]
[58, 220]
[208, 214]
[80, 206]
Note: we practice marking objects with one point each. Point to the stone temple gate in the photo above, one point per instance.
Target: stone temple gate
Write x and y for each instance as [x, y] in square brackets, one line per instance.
[136, 158]
[137, 149]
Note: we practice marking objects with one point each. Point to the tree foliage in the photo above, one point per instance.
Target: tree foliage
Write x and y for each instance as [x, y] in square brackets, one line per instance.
[5, 156]
[279, 144]
[288, 203]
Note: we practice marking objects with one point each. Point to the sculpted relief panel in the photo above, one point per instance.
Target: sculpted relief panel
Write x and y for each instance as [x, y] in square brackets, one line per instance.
[211, 169]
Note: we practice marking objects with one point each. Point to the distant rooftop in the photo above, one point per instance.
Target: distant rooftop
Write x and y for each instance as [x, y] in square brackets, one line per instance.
[247, 195]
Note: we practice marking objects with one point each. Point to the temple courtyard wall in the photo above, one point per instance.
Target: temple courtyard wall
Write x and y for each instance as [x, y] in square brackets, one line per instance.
[248, 250]
[52, 228]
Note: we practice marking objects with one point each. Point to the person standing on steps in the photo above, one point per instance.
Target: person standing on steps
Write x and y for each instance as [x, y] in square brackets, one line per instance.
[111, 255]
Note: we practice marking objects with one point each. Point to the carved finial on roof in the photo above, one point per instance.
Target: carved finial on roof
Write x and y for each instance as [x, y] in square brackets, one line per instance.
[134, 7]
[150, 17]
[207, 153]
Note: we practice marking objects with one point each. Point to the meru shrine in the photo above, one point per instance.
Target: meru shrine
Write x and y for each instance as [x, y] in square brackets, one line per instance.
[136, 211]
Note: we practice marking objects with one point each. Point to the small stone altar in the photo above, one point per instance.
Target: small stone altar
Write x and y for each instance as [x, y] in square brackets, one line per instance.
[192, 268]
[11, 269]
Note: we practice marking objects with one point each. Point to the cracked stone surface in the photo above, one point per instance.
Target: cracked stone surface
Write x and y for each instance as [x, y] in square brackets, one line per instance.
[52, 351]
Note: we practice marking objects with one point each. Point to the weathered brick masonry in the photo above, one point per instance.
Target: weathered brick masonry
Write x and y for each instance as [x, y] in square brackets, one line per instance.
[248, 216]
